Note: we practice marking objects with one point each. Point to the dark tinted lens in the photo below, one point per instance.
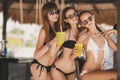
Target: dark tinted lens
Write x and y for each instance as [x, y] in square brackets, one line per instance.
[51, 13]
[72, 16]
[54, 12]
[57, 11]
[90, 18]
[75, 14]
[85, 22]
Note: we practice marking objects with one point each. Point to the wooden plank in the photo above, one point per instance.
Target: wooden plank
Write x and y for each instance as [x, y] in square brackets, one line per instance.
[118, 38]
[5, 13]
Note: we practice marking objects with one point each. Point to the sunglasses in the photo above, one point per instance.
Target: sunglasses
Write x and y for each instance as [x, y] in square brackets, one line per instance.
[85, 22]
[72, 16]
[53, 12]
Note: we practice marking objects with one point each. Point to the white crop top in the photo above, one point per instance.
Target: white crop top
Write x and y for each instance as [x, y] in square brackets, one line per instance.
[93, 47]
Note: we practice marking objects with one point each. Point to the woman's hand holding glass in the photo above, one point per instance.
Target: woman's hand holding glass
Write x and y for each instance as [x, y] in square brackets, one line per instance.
[60, 38]
[79, 48]
[77, 51]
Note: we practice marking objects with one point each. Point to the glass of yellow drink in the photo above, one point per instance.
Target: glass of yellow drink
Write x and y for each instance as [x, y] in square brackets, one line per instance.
[79, 48]
[61, 36]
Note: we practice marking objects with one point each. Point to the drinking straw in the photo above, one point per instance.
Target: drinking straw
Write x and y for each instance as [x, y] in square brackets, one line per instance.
[61, 29]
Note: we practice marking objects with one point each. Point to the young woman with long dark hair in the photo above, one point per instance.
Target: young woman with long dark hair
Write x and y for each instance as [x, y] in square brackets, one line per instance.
[64, 66]
[46, 47]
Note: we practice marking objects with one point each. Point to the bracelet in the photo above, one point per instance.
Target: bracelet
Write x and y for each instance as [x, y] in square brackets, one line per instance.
[48, 45]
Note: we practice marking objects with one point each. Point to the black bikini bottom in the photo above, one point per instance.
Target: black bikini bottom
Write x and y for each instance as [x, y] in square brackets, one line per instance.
[63, 72]
[48, 68]
[81, 62]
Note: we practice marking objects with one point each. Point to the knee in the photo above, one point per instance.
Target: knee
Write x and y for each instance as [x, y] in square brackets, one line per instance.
[32, 67]
[115, 75]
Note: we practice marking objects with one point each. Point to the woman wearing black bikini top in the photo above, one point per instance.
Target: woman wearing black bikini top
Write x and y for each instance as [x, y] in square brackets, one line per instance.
[46, 48]
[64, 66]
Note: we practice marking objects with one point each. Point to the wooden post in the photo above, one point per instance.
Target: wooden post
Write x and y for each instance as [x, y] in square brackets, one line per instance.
[40, 4]
[21, 11]
[5, 13]
[117, 3]
[5, 17]
[36, 16]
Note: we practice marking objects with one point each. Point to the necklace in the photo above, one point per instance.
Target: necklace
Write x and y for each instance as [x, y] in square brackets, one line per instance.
[95, 35]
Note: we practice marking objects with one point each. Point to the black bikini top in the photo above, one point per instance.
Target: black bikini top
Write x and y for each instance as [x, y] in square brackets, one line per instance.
[69, 44]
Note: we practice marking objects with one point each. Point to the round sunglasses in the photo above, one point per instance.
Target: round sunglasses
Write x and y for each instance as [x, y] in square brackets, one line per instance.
[53, 12]
[72, 16]
[85, 22]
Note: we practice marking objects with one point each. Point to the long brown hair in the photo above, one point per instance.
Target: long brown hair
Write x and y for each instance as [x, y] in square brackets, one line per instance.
[49, 6]
[81, 13]
[64, 24]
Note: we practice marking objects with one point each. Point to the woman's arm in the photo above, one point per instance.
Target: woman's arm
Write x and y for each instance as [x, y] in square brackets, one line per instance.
[40, 48]
[111, 43]
[54, 47]
[82, 37]
[81, 40]
[111, 31]
[50, 47]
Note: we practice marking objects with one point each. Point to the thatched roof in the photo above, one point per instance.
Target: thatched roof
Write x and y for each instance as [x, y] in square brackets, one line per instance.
[104, 10]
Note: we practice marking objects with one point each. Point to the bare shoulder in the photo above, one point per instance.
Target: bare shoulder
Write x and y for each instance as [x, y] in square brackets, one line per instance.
[42, 32]
[82, 37]
[42, 35]
[66, 34]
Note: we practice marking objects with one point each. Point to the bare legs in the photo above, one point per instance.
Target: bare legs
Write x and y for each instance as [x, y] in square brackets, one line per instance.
[57, 75]
[100, 75]
[39, 74]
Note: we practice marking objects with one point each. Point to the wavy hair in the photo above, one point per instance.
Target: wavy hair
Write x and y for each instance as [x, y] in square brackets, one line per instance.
[49, 6]
[64, 24]
[82, 12]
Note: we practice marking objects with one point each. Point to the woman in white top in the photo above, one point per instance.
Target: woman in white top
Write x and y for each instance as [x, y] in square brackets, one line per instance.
[96, 48]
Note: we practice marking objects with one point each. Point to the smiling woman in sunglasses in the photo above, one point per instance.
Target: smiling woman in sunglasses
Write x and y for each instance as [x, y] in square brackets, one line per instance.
[96, 47]
[46, 47]
[64, 66]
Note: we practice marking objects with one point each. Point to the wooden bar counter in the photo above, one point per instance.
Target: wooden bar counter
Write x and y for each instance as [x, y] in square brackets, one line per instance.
[15, 69]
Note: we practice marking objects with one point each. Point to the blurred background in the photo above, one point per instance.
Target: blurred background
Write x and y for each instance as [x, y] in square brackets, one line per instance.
[20, 21]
